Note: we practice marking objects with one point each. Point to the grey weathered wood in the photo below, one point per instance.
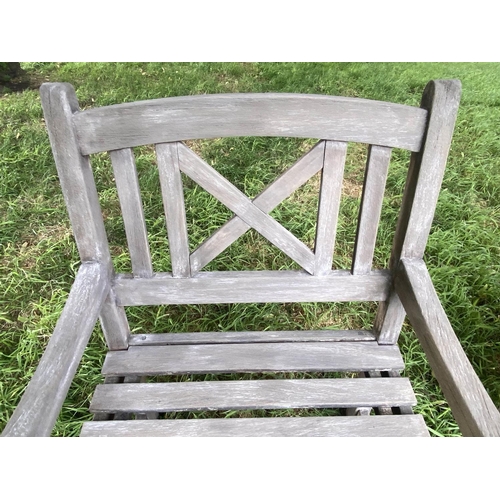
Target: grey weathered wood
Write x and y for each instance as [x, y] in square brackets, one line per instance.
[114, 323]
[441, 98]
[377, 166]
[59, 105]
[232, 287]
[243, 358]
[248, 337]
[252, 394]
[290, 180]
[329, 204]
[129, 194]
[42, 401]
[470, 404]
[375, 426]
[175, 211]
[219, 187]
[231, 115]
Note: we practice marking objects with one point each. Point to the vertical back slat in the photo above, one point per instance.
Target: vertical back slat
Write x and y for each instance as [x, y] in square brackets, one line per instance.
[175, 212]
[377, 166]
[441, 98]
[329, 205]
[129, 194]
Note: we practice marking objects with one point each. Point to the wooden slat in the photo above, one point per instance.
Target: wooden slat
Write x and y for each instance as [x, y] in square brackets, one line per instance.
[290, 180]
[377, 167]
[248, 337]
[175, 212]
[470, 404]
[114, 323]
[375, 426]
[441, 98]
[329, 204]
[230, 115]
[243, 358]
[42, 401]
[219, 187]
[127, 184]
[252, 394]
[251, 286]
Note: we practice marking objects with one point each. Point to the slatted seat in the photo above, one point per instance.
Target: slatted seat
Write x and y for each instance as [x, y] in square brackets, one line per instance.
[270, 383]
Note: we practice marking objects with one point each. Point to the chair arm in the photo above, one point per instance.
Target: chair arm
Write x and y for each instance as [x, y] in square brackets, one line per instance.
[42, 401]
[470, 404]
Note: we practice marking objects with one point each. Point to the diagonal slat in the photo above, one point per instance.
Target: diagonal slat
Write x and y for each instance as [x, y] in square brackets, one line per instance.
[219, 187]
[129, 195]
[252, 394]
[329, 204]
[377, 166]
[290, 180]
[175, 212]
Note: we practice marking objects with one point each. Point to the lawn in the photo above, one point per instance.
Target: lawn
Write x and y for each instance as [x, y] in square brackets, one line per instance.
[38, 257]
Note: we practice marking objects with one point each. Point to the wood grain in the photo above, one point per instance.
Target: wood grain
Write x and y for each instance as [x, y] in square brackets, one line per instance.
[377, 167]
[219, 187]
[375, 426]
[59, 104]
[42, 401]
[470, 404]
[129, 194]
[243, 358]
[175, 211]
[423, 183]
[248, 337]
[290, 180]
[231, 287]
[252, 394]
[329, 205]
[231, 115]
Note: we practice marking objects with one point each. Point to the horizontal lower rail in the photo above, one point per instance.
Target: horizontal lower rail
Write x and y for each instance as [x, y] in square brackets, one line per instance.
[246, 358]
[253, 394]
[249, 337]
[369, 426]
[250, 287]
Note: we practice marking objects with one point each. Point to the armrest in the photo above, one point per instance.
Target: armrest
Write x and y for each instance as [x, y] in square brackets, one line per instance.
[470, 404]
[42, 401]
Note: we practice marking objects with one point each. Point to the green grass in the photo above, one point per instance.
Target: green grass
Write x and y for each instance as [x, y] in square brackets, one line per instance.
[38, 257]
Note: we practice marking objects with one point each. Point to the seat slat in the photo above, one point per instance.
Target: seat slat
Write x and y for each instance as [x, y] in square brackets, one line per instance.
[252, 394]
[369, 426]
[248, 337]
[245, 358]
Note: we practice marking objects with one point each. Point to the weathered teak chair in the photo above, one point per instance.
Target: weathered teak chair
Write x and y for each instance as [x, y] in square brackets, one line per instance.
[403, 288]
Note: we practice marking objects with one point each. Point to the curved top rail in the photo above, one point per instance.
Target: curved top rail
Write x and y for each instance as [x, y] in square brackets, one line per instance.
[230, 115]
